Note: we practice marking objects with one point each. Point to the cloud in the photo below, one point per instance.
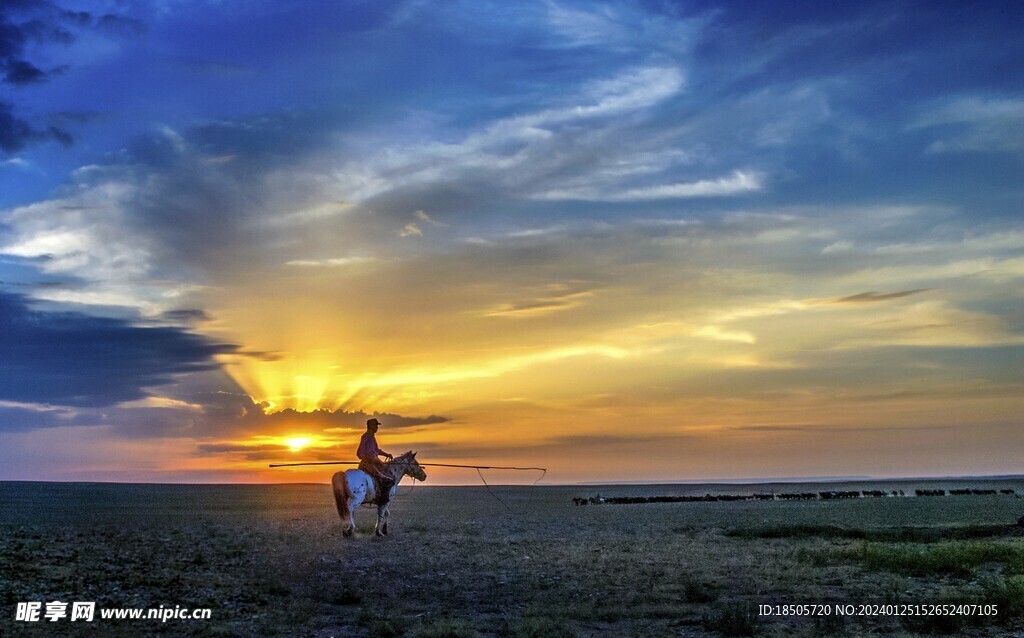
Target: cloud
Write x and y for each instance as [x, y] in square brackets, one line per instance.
[739, 182]
[975, 124]
[516, 155]
[203, 416]
[259, 452]
[89, 236]
[971, 110]
[73, 359]
[142, 231]
[248, 424]
[41, 23]
[20, 417]
[869, 297]
[44, 22]
[16, 133]
[341, 419]
[837, 429]
[410, 230]
[585, 28]
[186, 315]
[162, 218]
[335, 262]
[424, 217]
[560, 297]
[717, 333]
[22, 72]
[13, 39]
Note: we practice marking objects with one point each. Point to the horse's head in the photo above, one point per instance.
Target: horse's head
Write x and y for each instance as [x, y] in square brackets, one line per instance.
[410, 466]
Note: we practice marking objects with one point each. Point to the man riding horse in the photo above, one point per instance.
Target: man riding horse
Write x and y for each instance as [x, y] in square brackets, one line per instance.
[369, 462]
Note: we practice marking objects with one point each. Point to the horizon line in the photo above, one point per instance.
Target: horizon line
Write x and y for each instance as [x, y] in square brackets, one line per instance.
[716, 481]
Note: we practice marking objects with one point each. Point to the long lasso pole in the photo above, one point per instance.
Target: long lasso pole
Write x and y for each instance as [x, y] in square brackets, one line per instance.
[473, 467]
[542, 470]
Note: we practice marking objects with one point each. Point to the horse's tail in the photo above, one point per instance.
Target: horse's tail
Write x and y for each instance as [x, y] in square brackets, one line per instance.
[342, 494]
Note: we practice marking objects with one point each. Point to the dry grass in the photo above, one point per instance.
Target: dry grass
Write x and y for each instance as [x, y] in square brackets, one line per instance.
[270, 561]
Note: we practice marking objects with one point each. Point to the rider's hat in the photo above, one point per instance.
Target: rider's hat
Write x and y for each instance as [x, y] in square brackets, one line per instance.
[370, 422]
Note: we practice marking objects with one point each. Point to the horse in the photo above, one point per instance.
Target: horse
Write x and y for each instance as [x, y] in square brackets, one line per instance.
[353, 488]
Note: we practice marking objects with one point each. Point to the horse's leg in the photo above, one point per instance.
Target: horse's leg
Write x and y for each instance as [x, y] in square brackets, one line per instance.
[352, 505]
[355, 497]
[343, 499]
[347, 524]
[379, 530]
[387, 515]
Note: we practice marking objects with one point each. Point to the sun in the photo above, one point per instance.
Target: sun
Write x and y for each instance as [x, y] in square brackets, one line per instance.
[297, 443]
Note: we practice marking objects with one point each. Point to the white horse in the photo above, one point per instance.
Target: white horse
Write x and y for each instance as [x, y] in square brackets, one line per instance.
[353, 488]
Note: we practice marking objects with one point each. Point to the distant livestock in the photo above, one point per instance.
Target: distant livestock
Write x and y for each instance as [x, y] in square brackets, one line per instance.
[829, 495]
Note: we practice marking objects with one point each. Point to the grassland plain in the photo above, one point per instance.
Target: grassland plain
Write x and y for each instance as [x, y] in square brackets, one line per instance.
[271, 561]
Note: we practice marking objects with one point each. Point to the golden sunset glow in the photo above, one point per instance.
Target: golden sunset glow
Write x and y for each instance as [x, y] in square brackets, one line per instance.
[297, 443]
[679, 373]
[303, 381]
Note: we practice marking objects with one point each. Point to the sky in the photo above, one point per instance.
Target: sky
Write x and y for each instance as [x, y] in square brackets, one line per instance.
[626, 241]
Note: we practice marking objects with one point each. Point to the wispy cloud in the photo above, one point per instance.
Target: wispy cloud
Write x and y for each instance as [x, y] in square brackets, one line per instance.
[333, 262]
[975, 124]
[411, 230]
[870, 297]
[424, 217]
[541, 306]
[738, 183]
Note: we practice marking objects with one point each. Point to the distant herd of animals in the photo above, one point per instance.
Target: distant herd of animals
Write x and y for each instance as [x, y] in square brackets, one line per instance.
[793, 496]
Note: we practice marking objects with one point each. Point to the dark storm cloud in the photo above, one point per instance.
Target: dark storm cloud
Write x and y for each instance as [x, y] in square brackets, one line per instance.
[22, 72]
[16, 133]
[14, 36]
[73, 359]
[22, 23]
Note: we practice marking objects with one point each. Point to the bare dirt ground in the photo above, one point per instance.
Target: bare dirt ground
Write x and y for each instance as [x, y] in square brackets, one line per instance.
[271, 561]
